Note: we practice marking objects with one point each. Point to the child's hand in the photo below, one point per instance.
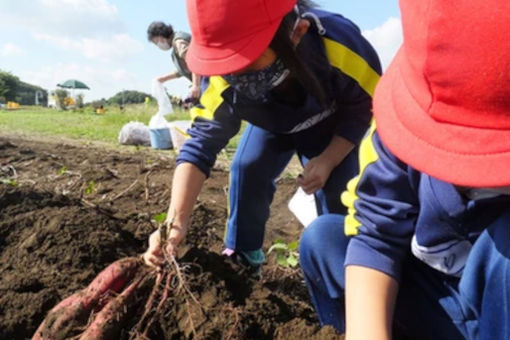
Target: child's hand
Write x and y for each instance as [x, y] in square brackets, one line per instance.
[315, 174]
[153, 256]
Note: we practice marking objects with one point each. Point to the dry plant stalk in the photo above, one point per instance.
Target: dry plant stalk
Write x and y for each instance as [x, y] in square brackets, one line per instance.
[231, 334]
[146, 182]
[124, 191]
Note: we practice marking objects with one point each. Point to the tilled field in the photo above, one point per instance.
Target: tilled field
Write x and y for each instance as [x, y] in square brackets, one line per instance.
[67, 210]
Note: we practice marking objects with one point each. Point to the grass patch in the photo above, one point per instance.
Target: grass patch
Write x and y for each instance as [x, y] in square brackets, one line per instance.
[83, 124]
[86, 126]
[76, 124]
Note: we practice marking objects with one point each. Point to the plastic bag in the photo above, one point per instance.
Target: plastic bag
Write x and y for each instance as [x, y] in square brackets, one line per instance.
[158, 122]
[134, 133]
[159, 131]
[159, 92]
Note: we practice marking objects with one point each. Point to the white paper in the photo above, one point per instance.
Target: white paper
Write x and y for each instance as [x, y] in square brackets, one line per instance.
[303, 207]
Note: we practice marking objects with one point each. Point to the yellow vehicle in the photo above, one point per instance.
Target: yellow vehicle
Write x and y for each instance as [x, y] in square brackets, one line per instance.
[69, 102]
[12, 105]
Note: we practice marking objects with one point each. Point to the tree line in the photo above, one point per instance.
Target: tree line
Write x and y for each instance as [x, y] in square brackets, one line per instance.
[123, 98]
[13, 89]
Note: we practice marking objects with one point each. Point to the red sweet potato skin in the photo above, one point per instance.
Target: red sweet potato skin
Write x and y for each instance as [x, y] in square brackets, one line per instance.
[61, 318]
[113, 278]
[74, 311]
[108, 322]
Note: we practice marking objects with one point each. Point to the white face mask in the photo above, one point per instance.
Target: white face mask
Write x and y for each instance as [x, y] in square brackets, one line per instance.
[164, 45]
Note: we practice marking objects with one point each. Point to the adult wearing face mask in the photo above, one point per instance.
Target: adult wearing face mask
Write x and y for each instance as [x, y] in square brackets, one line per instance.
[163, 36]
[303, 79]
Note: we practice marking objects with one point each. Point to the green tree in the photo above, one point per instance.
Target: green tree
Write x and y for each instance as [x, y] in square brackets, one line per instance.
[2, 87]
[61, 98]
[8, 86]
[128, 97]
[98, 103]
[79, 100]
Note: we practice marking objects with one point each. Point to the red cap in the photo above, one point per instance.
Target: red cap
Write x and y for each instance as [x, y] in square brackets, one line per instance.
[443, 106]
[228, 35]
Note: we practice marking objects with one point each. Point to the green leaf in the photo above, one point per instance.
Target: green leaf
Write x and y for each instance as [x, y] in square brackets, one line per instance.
[292, 260]
[293, 245]
[9, 182]
[282, 260]
[160, 218]
[62, 170]
[90, 188]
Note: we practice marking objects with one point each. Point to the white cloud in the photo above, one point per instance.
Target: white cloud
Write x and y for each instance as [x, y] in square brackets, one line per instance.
[116, 47]
[95, 7]
[386, 39]
[11, 50]
[80, 39]
[91, 28]
[76, 18]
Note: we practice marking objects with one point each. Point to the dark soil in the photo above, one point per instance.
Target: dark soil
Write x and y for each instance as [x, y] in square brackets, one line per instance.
[67, 210]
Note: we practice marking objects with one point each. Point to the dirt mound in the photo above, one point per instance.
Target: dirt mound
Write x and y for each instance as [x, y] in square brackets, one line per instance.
[67, 211]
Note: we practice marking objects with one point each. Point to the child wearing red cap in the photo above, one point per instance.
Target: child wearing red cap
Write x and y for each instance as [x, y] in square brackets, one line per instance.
[429, 213]
[302, 78]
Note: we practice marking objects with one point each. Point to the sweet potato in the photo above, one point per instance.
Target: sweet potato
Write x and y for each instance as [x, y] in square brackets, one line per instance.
[108, 322]
[61, 319]
[75, 310]
[111, 279]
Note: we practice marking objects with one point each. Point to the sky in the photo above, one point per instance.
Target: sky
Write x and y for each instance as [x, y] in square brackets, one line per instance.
[104, 42]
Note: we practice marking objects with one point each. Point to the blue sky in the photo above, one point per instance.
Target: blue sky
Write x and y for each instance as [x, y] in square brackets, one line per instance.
[104, 44]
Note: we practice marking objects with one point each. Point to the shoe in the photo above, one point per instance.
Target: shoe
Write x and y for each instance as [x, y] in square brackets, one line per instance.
[249, 261]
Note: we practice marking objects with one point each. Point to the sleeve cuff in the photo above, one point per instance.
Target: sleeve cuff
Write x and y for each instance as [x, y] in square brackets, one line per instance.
[185, 157]
[354, 133]
[360, 254]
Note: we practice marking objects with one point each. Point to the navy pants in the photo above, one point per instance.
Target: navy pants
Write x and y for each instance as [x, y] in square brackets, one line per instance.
[260, 158]
[429, 305]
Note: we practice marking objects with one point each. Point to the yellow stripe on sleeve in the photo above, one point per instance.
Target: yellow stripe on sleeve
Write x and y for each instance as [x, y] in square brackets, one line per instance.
[367, 155]
[352, 64]
[211, 99]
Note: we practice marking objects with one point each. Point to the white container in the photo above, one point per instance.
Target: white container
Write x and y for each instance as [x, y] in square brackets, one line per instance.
[178, 132]
[160, 138]
[159, 132]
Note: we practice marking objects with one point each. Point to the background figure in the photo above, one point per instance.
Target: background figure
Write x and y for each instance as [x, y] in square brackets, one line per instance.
[165, 38]
[302, 78]
[429, 213]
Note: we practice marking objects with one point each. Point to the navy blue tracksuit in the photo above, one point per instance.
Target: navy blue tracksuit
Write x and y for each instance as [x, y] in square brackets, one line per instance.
[348, 69]
[449, 251]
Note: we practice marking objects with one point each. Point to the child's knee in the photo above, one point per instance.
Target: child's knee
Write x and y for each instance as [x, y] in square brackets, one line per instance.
[317, 237]
[315, 233]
